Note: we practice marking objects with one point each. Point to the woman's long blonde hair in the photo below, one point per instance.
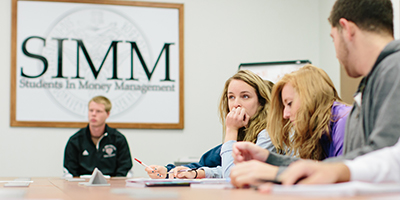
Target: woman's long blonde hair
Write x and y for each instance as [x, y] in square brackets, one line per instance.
[317, 95]
[258, 122]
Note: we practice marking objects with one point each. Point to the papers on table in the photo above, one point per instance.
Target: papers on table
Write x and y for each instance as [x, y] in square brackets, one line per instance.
[18, 182]
[196, 183]
[213, 183]
[141, 182]
[146, 193]
[339, 189]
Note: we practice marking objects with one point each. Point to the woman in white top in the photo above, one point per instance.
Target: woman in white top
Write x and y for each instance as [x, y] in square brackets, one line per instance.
[243, 110]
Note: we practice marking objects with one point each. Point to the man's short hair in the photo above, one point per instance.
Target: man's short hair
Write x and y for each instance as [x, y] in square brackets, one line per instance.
[103, 100]
[369, 15]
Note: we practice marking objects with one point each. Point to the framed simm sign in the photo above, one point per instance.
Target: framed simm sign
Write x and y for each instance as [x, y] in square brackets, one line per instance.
[65, 52]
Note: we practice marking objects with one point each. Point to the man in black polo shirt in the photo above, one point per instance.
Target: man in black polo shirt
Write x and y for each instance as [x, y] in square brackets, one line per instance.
[97, 145]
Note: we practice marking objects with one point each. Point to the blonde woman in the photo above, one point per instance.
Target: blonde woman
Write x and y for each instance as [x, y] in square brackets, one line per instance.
[243, 110]
[306, 101]
[306, 118]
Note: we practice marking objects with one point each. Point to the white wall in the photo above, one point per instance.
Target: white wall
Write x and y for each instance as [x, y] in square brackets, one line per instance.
[396, 20]
[328, 60]
[219, 35]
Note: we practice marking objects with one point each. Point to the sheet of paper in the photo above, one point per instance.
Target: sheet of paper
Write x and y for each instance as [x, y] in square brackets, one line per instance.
[146, 193]
[339, 189]
[212, 186]
[17, 184]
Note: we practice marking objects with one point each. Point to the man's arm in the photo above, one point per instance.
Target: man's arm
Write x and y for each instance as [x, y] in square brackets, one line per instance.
[71, 162]
[124, 160]
[280, 160]
[382, 165]
[379, 166]
[169, 167]
[310, 172]
[210, 158]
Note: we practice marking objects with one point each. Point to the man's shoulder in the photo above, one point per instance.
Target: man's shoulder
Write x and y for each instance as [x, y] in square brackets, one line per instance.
[391, 55]
[391, 61]
[80, 133]
[387, 71]
[114, 131]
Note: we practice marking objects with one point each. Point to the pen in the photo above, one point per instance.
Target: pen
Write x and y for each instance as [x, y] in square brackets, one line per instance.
[143, 164]
[182, 170]
[274, 181]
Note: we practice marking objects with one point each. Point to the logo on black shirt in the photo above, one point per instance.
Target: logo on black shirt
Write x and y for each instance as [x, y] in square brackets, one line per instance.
[109, 150]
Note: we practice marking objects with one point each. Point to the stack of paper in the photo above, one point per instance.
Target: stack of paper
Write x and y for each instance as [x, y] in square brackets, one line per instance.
[141, 182]
[19, 182]
[198, 183]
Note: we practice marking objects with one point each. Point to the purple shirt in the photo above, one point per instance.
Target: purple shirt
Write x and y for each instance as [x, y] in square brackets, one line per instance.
[334, 147]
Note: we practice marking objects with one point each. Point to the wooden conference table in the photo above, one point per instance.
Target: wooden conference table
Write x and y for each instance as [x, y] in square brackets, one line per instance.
[57, 188]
